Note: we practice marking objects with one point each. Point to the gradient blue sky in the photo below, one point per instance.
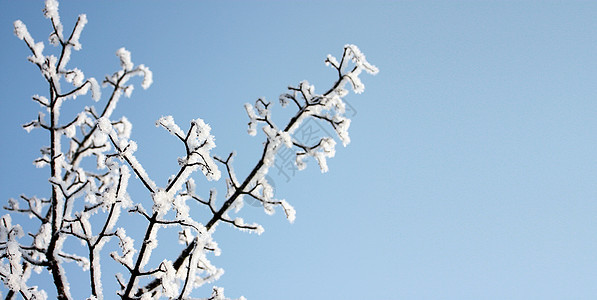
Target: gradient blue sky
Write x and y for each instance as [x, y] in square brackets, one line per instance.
[472, 172]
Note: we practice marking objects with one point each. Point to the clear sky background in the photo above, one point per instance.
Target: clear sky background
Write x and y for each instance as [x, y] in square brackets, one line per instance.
[472, 172]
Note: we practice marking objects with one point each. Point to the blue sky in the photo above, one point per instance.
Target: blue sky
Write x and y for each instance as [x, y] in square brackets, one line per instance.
[472, 172]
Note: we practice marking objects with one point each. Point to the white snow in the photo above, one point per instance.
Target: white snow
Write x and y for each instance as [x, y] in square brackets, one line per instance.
[125, 59]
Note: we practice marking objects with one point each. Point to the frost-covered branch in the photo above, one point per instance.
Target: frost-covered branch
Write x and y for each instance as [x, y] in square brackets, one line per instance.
[69, 181]
[88, 181]
[319, 106]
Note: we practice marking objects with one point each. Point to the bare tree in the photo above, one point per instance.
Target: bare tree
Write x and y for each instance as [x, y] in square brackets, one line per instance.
[85, 203]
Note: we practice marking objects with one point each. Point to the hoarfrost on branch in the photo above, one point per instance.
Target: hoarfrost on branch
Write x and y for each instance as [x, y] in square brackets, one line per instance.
[85, 204]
